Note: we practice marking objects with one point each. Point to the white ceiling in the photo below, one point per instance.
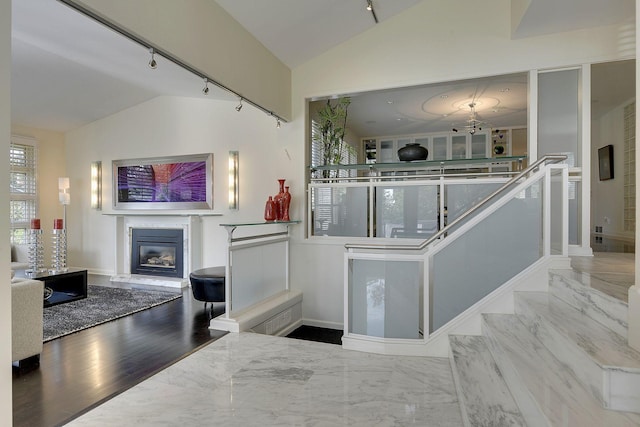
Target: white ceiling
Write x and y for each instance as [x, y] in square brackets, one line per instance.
[68, 70]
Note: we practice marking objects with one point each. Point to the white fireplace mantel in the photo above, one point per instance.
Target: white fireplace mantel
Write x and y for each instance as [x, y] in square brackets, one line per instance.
[191, 226]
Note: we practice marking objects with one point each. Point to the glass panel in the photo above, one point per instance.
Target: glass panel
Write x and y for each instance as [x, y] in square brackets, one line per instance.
[574, 213]
[387, 152]
[407, 211]
[340, 211]
[556, 212]
[459, 147]
[385, 298]
[558, 114]
[265, 278]
[439, 148]
[479, 146]
[488, 255]
[462, 197]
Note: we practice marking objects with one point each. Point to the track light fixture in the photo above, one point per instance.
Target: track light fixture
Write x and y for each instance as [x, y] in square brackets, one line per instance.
[73, 4]
[372, 10]
[152, 62]
[205, 89]
[239, 107]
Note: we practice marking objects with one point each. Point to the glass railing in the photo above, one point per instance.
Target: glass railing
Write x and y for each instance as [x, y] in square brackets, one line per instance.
[401, 293]
[413, 209]
[433, 165]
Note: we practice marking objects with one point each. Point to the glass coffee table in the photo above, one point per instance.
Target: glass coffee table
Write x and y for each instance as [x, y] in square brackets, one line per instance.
[64, 286]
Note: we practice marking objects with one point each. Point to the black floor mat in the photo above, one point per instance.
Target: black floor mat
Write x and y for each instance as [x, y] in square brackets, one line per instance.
[312, 333]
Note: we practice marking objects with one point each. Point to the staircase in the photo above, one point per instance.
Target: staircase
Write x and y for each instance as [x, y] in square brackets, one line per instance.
[561, 359]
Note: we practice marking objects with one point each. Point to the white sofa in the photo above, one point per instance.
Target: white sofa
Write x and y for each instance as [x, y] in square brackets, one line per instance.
[19, 257]
[26, 321]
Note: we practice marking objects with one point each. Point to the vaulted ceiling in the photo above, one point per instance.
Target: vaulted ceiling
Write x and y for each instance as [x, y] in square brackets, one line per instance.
[60, 81]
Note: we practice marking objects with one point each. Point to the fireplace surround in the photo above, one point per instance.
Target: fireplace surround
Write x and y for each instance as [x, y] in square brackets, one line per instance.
[189, 225]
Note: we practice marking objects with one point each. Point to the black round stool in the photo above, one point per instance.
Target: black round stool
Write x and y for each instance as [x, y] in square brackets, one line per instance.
[207, 284]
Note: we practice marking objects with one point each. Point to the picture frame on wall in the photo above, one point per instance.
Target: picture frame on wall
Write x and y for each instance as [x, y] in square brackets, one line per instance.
[172, 183]
[605, 162]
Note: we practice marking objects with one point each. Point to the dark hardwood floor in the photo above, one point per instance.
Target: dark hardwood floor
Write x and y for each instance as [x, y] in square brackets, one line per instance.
[79, 371]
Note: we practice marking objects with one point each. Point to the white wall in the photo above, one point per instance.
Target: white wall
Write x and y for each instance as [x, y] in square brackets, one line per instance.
[6, 416]
[168, 126]
[438, 40]
[608, 196]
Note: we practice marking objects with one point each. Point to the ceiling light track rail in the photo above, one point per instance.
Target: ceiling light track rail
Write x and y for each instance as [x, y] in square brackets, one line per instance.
[372, 10]
[155, 50]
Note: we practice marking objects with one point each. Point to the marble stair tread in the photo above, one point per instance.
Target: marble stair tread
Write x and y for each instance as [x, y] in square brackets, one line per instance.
[484, 395]
[607, 348]
[575, 289]
[532, 370]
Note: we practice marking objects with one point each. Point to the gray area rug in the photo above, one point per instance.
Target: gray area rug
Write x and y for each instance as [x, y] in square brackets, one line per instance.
[102, 305]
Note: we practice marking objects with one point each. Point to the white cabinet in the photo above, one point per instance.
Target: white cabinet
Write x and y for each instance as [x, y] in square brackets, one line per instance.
[449, 146]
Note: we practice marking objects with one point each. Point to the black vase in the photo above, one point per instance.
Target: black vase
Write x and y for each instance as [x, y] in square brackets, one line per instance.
[498, 149]
[411, 152]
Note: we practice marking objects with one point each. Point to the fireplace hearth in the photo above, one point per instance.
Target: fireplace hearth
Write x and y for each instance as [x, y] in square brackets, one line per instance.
[157, 252]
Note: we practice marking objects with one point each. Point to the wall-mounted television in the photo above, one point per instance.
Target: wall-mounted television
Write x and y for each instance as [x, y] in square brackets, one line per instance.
[605, 162]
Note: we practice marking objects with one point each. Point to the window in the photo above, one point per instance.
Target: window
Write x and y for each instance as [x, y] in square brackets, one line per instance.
[23, 204]
[348, 156]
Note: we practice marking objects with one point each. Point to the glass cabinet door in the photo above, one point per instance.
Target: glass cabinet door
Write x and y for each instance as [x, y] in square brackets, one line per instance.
[439, 151]
[387, 152]
[479, 146]
[459, 147]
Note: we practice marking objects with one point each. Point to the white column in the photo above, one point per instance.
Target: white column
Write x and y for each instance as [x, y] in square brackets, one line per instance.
[584, 151]
[634, 291]
[5, 287]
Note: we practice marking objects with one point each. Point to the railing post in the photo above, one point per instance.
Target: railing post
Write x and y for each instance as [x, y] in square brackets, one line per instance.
[565, 211]
[546, 214]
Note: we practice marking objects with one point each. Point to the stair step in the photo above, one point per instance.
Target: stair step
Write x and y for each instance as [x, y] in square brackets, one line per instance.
[484, 395]
[543, 386]
[572, 287]
[599, 357]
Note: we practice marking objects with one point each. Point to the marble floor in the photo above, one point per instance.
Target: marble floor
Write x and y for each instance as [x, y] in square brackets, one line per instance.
[248, 379]
[610, 272]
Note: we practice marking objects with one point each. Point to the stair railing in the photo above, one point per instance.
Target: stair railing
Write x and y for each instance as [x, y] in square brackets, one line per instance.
[398, 295]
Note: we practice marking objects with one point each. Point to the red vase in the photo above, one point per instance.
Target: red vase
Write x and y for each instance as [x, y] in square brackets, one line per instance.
[286, 202]
[270, 210]
[278, 200]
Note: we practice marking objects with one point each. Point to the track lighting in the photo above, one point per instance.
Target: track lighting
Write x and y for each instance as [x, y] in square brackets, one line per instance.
[167, 56]
[152, 62]
[373, 12]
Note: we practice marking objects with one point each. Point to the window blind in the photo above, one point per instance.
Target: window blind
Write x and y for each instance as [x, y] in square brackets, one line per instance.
[23, 203]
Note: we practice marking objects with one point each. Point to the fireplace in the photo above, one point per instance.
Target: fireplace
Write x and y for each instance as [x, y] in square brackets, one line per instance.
[157, 251]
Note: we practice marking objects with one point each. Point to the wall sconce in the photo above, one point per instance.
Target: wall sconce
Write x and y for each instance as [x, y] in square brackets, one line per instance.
[234, 183]
[96, 185]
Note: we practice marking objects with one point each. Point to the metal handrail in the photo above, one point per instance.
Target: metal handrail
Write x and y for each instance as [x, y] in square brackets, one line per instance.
[553, 158]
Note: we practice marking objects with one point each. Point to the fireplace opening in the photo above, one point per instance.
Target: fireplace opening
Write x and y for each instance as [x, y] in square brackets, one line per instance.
[157, 252]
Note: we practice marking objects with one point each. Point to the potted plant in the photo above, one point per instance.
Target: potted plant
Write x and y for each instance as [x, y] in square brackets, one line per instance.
[329, 130]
